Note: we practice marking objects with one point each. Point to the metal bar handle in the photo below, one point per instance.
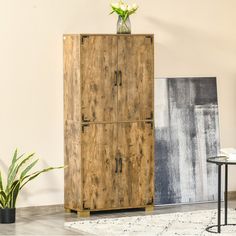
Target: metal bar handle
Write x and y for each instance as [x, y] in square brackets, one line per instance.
[83, 126]
[120, 162]
[150, 122]
[116, 78]
[116, 170]
[151, 116]
[84, 119]
[120, 77]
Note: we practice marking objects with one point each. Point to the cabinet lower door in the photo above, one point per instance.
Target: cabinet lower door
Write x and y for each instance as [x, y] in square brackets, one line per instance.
[136, 162]
[99, 165]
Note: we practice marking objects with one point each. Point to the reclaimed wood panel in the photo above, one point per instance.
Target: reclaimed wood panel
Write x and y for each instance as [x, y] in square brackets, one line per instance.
[92, 98]
[72, 119]
[99, 143]
[98, 66]
[72, 101]
[136, 180]
[73, 172]
[136, 63]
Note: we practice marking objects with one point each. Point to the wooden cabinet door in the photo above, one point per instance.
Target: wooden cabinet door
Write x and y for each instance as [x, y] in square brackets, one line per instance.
[99, 143]
[98, 66]
[136, 177]
[136, 75]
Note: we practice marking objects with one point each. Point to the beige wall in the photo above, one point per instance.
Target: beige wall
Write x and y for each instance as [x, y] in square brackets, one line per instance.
[193, 38]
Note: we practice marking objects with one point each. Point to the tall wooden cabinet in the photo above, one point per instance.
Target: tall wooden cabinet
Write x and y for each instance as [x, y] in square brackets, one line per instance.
[108, 122]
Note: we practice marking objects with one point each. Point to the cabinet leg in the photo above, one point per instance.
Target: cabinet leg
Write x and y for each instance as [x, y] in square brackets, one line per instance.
[67, 210]
[149, 208]
[83, 213]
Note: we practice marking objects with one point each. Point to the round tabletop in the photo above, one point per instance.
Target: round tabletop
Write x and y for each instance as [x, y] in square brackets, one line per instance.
[221, 160]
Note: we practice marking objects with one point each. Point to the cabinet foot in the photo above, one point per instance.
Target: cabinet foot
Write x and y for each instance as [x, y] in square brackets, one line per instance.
[83, 213]
[149, 208]
[67, 210]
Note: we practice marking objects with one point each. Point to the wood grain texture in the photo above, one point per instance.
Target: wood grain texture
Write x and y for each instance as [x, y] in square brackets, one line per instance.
[135, 147]
[100, 180]
[98, 66]
[72, 159]
[72, 100]
[91, 98]
[136, 63]
[72, 122]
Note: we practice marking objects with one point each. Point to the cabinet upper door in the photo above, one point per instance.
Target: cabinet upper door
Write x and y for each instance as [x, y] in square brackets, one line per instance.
[99, 143]
[136, 77]
[98, 66]
[135, 148]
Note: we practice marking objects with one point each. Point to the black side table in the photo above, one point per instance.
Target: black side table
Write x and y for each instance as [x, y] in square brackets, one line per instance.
[219, 161]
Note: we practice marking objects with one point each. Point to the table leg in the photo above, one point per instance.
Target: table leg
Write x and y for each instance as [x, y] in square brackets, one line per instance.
[226, 194]
[219, 195]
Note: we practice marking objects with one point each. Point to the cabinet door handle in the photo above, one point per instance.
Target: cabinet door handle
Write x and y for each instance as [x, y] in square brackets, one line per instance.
[116, 170]
[151, 116]
[84, 119]
[150, 122]
[120, 162]
[116, 78]
[120, 77]
[83, 126]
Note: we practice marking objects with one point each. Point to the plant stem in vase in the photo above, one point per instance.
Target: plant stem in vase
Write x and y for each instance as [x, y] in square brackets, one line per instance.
[123, 26]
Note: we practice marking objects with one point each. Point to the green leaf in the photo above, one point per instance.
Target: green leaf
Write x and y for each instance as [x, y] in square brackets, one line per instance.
[37, 173]
[3, 198]
[10, 193]
[14, 195]
[12, 169]
[28, 168]
[18, 177]
[126, 16]
[1, 203]
[3, 195]
[12, 163]
[1, 184]
[14, 172]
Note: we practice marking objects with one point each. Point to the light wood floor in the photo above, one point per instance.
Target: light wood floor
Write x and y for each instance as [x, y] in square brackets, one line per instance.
[49, 220]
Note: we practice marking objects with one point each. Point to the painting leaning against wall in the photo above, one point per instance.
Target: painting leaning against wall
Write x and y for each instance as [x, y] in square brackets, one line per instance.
[186, 133]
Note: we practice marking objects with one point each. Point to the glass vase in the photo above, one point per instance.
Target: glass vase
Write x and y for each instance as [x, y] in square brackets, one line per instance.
[123, 27]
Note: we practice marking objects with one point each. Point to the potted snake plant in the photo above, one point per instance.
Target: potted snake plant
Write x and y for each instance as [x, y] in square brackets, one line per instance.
[17, 177]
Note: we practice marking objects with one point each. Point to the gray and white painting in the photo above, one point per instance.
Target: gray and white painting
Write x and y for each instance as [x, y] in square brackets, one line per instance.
[186, 133]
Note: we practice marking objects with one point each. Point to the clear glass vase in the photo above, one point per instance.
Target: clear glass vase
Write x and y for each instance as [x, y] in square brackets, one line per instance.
[123, 27]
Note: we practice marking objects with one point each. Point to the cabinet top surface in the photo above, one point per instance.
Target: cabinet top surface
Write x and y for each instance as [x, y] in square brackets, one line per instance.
[108, 35]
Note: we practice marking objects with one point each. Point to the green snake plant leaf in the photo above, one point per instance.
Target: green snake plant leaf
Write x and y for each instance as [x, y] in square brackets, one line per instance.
[14, 159]
[16, 169]
[3, 195]
[14, 195]
[1, 182]
[9, 194]
[28, 168]
[18, 177]
[2, 198]
[1, 203]
[12, 170]
[37, 173]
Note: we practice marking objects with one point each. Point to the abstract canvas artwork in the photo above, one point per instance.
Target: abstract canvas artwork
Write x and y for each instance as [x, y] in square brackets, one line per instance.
[186, 133]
